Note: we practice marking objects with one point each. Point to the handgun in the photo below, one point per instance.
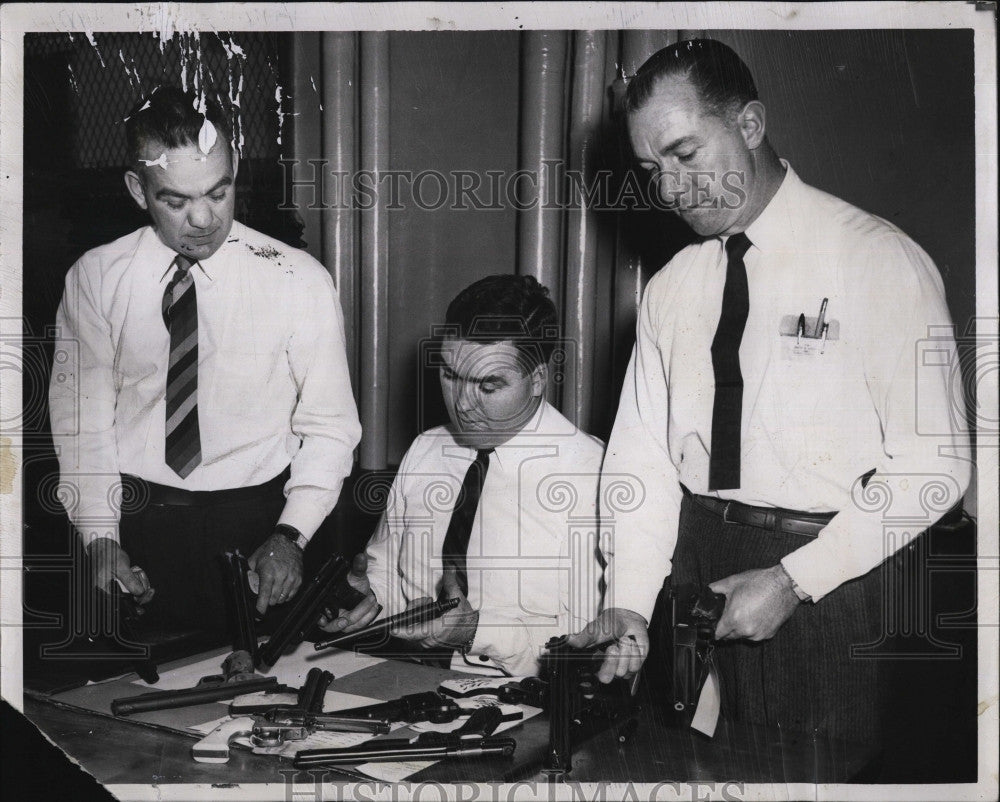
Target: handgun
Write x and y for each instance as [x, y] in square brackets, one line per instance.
[272, 726]
[245, 648]
[419, 614]
[125, 614]
[470, 740]
[531, 691]
[412, 708]
[694, 613]
[328, 588]
[567, 687]
[574, 693]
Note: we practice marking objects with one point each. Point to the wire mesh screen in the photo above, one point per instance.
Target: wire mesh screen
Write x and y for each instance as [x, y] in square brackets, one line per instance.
[109, 72]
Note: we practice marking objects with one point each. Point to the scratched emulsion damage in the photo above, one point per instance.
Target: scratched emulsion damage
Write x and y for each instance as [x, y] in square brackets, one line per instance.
[265, 251]
[8, 466]
[192, 74]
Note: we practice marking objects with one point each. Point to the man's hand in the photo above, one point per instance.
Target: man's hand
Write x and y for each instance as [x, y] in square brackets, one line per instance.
[278, 563]
[364, 613]
[625, 656]
[758, 602]
[454, 629]
[108, 562]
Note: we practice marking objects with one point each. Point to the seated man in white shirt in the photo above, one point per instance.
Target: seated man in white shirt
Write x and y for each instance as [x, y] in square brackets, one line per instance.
[498, 508]
[202, 401]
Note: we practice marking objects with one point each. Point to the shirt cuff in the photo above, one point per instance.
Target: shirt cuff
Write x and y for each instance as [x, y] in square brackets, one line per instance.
[802, 566]
[88, 534]
[305, 510]
[639, 598]
[800, 594]
[506, 641]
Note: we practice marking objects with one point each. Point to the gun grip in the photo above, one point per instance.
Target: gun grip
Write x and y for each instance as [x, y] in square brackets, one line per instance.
[347, 597]
[214, 747]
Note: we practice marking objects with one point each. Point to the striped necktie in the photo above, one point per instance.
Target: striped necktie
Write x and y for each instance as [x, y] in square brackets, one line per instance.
[727, 411]
[180, 313]
[456, 540]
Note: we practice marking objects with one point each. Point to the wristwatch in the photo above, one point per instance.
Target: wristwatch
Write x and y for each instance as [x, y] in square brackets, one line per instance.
[293, 535]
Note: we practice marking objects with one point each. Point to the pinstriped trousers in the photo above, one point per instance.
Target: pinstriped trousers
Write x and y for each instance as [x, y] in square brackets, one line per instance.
[805, 678]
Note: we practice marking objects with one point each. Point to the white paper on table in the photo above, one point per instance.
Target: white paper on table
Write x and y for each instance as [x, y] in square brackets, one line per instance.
[397, 770]
[109, 679]
[291, 669]
[464, 686]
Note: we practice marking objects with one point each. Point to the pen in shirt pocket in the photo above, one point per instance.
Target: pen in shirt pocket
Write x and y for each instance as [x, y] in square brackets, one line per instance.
[821, 319]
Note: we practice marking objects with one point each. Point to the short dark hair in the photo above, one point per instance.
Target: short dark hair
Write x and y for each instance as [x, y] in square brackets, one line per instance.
[169, 116]
[507, 307]
[723, 81]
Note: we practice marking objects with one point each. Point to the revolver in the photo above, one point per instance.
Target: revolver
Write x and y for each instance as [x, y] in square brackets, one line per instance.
[269, 726]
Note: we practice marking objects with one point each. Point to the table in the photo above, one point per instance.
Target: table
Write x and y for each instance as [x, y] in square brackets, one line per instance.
[118, 751]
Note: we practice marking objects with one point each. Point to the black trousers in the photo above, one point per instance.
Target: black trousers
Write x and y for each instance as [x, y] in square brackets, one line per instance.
[806, 679]
[180, 547]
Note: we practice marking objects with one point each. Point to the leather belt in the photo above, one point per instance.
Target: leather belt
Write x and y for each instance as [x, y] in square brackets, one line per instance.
[778, 519]
[775, 519]
[138, 493]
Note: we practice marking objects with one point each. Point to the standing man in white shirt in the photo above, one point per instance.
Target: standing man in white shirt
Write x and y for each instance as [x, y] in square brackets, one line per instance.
[206, 404]
[499, 508]
[776, 373]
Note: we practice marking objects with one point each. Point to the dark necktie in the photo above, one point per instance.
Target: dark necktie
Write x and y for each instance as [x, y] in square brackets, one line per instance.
[724, 469]
[180, 313]
[456, 540]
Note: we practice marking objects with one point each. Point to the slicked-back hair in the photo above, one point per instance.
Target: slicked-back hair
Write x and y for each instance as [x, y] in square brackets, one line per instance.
[169, 117]
[723, 81]
[507, 308]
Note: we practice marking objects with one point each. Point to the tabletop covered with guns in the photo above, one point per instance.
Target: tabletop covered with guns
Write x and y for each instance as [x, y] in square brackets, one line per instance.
[456, 726]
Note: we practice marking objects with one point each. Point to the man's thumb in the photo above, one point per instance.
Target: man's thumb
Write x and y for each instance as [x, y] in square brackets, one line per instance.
[359, 565]
[127, 576]
[586, 636]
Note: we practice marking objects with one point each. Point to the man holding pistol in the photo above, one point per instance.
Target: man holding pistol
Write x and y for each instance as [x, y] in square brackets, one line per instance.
[775, 377]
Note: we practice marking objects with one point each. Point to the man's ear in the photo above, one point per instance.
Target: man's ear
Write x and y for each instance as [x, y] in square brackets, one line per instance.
[752, 122]
[539, 380]
[136, 189]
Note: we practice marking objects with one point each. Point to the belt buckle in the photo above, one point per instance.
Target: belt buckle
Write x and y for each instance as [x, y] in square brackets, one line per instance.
[725, 513]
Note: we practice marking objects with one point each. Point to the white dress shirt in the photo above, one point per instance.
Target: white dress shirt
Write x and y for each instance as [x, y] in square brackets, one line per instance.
[273, 384]
[532, 563]
[881, 394]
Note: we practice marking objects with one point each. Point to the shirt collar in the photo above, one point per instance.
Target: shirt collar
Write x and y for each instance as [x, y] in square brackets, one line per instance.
[776, 226]
[154, 252]
[524, 436]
